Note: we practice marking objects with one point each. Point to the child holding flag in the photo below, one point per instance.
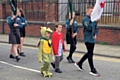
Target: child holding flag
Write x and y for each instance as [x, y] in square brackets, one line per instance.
[14, 24]
[90, 33]
[71, 33]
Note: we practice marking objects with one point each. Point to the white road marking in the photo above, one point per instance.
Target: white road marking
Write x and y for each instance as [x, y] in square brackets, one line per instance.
[20, 67]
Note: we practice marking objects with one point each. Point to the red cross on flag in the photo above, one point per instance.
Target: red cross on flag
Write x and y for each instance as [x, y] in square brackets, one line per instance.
[98, 9]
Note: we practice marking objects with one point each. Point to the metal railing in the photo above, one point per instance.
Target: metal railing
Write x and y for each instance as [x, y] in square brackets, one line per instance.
[110, 16]
[35, 10]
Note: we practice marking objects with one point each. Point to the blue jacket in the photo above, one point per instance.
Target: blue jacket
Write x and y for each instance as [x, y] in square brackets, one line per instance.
[11, 22]
[23, 20]
[90, 29]
[68, 26]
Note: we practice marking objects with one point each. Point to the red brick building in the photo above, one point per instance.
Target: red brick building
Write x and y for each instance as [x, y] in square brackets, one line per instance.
[39, 12]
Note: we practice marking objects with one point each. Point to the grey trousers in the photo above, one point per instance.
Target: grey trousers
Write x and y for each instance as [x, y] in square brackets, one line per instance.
[58, 59]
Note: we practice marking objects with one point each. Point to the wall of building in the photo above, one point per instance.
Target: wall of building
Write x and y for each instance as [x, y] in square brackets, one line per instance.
[107, 34]
[35, 11]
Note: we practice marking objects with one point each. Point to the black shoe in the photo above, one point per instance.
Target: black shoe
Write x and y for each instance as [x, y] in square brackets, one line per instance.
[17, 58]
[53, 65]
[94, 73]
[41, 72]
[79, 67]
[58, 71]
[11, 56]
[22, 54]
[70, 60]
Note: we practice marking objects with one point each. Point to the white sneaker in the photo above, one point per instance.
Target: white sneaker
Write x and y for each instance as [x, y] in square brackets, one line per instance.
[79, 67]
[94, 73]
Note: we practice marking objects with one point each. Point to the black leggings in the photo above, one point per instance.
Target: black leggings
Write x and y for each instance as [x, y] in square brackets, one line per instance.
[89, 55]
[72, 49]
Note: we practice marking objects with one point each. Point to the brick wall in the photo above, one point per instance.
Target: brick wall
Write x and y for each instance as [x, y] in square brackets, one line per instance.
[0, 27]
[2, 11]
[34, 11]
[51, 12]
[109, 35]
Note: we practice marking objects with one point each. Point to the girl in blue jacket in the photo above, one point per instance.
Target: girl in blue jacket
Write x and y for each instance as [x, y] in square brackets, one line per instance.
[14, 23]
[22, 32]
[71, 33]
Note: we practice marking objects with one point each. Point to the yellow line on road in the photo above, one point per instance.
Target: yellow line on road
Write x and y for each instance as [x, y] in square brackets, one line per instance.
[100, 58]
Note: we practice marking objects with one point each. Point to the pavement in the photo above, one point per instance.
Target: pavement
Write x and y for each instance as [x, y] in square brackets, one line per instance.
[112, 51]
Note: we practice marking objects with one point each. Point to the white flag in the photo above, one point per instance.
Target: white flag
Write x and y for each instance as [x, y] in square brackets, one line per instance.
[98, 9]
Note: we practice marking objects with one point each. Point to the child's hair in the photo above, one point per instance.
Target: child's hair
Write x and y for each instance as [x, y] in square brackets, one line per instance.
[90, 7]
[56, 25]
[22, 12]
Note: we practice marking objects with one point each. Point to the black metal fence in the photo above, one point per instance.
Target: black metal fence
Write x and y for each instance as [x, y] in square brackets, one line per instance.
[110, 16]
[35, 10]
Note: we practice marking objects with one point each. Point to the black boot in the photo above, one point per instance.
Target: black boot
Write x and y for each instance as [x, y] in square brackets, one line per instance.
[22, 54]
[11, 56]
[58, 71]
[53, 65]
[17, 58]
[70, 60]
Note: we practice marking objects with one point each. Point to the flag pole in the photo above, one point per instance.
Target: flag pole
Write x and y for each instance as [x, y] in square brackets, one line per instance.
[71, 13]
[13, 4]
[70, 7]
